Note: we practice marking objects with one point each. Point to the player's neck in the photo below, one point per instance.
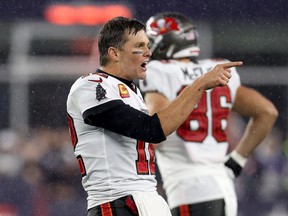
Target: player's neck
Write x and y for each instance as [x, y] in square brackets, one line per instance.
[115, 72]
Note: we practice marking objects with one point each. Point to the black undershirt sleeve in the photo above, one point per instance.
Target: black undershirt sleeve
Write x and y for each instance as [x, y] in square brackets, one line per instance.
[123, 119]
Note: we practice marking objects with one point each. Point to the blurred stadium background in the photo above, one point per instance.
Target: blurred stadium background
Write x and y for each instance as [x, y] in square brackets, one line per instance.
[45, 45]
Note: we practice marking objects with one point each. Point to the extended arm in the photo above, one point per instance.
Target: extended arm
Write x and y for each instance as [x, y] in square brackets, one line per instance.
[175, 113]
[125, 120]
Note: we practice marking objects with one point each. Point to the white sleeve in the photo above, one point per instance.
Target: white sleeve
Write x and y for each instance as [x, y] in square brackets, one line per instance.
[86, 94]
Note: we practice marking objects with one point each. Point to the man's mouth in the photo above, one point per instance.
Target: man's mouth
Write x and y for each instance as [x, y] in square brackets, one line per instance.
[144, 65]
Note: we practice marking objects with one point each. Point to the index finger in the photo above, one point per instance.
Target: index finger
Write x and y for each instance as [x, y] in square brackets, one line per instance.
[231, 64]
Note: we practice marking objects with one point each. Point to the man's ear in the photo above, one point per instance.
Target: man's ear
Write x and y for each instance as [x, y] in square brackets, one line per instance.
[113, 53]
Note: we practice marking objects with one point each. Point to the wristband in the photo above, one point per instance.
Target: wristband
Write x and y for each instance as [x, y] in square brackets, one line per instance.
[235, 162]
[238, 158]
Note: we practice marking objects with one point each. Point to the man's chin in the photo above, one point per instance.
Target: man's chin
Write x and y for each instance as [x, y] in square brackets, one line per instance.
[142, 75]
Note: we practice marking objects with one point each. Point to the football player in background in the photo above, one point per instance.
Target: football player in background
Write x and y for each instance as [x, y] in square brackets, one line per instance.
[111, 129]
[198, 175]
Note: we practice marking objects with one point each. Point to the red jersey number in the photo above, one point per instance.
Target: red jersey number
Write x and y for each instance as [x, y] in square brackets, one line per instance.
[143, 165]
[199, 115]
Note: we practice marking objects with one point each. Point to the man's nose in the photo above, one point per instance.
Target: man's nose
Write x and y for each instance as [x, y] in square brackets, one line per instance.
[147, 52]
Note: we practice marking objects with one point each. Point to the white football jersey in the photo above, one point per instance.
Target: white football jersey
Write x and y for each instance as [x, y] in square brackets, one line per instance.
[112, 165]
[196, 151]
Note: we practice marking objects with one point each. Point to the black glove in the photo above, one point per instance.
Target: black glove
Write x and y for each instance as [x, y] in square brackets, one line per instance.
[235, 162]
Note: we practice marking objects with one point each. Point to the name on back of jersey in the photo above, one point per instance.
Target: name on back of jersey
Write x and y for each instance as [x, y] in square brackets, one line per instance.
[192, 73]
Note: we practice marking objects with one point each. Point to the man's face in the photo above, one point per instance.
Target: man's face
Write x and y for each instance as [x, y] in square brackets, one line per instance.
[134, 56]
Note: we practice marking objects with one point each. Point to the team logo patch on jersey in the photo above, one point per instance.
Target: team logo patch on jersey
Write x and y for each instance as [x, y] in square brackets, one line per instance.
[100, 92]
[123, 91]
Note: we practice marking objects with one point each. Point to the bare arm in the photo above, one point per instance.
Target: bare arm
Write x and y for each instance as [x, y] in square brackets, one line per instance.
[155, 102]
[263, 115]
[175, 113]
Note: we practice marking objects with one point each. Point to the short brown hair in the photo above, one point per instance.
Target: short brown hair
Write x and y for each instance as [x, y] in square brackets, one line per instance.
[112, 34]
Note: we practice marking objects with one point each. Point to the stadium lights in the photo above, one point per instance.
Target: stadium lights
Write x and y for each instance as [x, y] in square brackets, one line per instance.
[64, 14]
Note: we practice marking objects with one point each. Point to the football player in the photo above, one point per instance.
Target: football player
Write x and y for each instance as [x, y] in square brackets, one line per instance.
[198, 175]
[111, 129]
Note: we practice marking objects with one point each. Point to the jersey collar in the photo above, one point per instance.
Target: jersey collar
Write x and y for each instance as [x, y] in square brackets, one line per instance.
[127, 82]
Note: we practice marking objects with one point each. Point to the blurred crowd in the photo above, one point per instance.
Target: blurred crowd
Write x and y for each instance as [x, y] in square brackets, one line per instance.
[39, 175]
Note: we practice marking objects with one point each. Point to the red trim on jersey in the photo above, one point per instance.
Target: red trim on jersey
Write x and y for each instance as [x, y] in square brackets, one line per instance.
[97, 81]
[131, 205]
[81, 165]
[184, 210]
[106, 209]
[99, 74]
[72, 130]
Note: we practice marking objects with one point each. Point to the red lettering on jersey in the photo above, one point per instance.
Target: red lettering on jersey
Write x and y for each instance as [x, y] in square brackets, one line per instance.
[199, 114]
[219, 112]
[123, 91]
[143, 165]
[142, 162]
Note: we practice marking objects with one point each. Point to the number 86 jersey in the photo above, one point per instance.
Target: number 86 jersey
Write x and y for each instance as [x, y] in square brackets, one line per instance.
[201, 139]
